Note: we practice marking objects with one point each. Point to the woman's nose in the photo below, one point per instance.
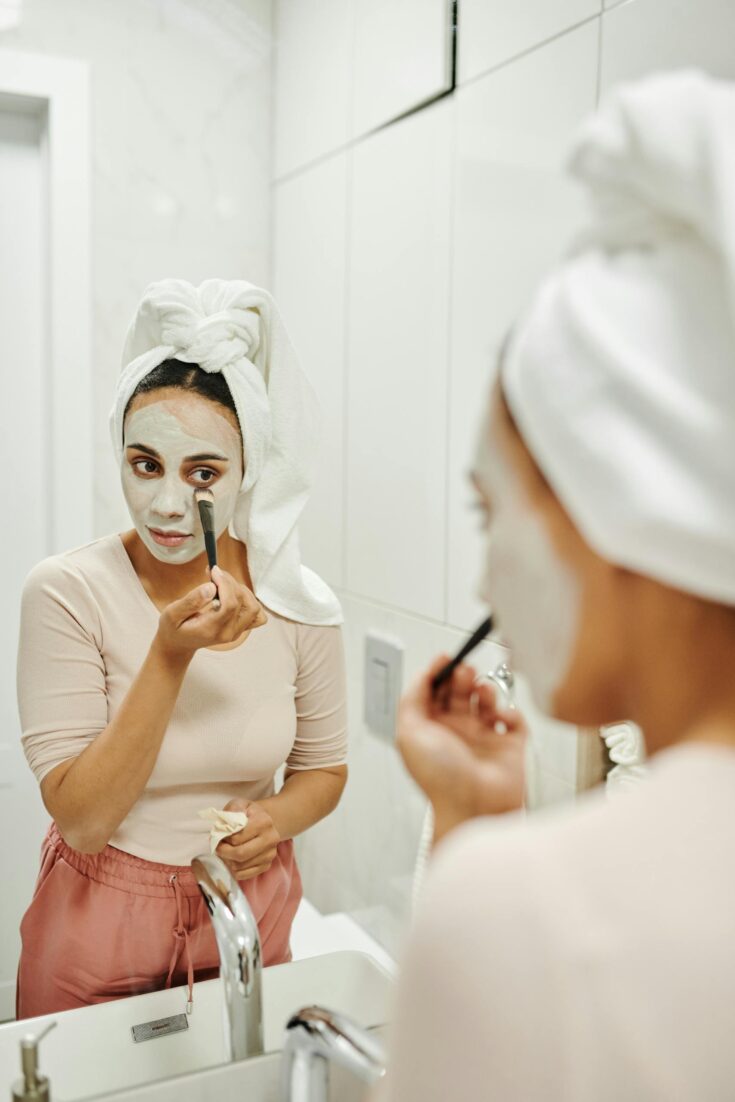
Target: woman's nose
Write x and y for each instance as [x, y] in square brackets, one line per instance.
[171, 500]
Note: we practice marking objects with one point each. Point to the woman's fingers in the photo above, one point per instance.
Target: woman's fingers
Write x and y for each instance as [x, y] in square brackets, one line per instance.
[250, 874]
[194, 602]
[239, 607]
[486, 699]
[253, 855]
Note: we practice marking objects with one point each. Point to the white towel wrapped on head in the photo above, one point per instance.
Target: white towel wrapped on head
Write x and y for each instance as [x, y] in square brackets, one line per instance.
[621, 377]
[232, 327]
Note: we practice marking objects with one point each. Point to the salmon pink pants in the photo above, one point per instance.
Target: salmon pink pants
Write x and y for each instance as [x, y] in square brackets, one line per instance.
[106, 925]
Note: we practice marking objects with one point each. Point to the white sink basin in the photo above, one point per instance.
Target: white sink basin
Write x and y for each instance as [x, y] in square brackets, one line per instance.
[92, 1050]
[256, 1080]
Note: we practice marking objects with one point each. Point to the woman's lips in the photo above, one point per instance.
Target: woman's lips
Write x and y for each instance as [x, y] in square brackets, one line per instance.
[169, 539]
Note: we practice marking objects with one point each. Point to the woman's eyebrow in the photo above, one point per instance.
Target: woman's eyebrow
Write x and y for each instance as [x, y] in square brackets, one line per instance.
[144, 448]
[188, 459]
[202, 458]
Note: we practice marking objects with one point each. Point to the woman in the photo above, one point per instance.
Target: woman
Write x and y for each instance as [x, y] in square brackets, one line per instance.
[589, 953]
[144, 701]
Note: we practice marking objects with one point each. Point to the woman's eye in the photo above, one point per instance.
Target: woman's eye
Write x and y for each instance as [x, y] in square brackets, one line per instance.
[203, 475]
[145, 466]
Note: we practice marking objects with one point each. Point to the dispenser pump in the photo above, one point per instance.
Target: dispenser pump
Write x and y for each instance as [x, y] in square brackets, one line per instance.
[33, 1087]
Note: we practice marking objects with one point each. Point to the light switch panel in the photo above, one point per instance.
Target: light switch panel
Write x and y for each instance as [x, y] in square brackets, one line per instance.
[383, 684]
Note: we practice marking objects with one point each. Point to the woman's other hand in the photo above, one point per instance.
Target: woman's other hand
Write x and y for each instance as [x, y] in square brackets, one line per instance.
[253, 849]
[461, 748]
[193, 622]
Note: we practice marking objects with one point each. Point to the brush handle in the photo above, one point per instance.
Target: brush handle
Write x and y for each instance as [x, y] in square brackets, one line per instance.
[474, 640]
[211, 545]
[206, 515]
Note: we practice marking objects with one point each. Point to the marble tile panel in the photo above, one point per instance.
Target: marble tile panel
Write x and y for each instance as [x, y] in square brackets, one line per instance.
[514, 213]
[644, 36]
[309, 284]
[402, 58]
[397, 363]
[313, 80]
[494, 31]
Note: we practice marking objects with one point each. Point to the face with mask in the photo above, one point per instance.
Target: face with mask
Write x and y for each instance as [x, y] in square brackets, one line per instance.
[176, 442]
[534, 595]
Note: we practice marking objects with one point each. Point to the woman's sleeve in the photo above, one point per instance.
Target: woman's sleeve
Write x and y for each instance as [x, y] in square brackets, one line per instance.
[62, 697]
[321, 706]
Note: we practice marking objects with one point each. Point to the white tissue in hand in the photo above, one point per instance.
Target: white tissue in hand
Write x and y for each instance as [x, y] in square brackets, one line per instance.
[224, 823]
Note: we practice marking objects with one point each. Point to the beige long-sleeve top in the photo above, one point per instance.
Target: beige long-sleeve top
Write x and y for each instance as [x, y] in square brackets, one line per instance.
[582, 956]
[279, 697]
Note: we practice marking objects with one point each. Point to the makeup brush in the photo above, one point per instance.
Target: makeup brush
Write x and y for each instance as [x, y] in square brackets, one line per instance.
[474, 640]
[205, 503]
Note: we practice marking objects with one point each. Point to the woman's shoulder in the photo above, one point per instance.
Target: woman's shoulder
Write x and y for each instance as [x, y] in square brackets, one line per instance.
[71, 572]
[306, 638]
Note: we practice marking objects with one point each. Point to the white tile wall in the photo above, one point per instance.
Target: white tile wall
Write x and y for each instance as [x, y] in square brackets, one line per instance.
[309, 286]
[493, 31]
[402, 58]
[313, 67]
[397, 363]
[514, 211]
[642, 36]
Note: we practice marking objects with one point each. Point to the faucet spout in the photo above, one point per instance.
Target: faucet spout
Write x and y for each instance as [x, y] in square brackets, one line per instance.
[316, 1037]
[238, 942]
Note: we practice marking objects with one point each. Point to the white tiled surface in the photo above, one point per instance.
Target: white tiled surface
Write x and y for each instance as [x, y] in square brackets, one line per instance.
[401, 59]
[397, 363]
[514, 211]
[494, 31]
[313, 84]
[642, 36]
[181, 137]
[309, 286]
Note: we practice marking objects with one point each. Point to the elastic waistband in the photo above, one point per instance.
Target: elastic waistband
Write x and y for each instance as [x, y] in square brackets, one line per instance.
[122, 870]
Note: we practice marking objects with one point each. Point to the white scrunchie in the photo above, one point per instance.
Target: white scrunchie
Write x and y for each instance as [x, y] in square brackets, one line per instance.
[233, 327]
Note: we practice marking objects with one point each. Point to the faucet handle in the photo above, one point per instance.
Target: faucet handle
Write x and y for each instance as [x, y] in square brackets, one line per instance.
[503, 679]
[325, 1036]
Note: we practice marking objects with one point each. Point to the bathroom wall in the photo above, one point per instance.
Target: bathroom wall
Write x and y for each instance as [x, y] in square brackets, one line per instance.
[181, 147]
[400, 257]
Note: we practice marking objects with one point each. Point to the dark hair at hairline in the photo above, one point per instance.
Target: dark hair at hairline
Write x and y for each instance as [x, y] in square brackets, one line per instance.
[182, 376]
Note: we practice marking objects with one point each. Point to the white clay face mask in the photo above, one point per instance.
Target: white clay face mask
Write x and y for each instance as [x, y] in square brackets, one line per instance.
[534, 597]
[160, 491]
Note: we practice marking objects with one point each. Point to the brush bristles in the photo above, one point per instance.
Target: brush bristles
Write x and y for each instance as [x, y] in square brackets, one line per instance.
[204, 495]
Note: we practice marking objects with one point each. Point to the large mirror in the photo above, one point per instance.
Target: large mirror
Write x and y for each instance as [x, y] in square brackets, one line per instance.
[250, 206]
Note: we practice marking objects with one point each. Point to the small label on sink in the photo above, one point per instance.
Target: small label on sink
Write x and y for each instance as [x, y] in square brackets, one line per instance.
[161, 1027]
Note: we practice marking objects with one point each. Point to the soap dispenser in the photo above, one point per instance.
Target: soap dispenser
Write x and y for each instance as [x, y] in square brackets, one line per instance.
[32, 1087]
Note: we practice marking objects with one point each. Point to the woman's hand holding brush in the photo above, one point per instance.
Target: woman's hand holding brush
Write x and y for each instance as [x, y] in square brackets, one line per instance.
[193, 621]
[462, 749]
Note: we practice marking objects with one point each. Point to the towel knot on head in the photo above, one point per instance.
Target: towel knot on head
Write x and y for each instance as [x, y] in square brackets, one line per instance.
[212, 341]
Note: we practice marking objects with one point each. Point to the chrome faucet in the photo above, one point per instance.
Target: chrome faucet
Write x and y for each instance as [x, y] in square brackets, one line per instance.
[238, 942]
[315, 1038]
[502, 677]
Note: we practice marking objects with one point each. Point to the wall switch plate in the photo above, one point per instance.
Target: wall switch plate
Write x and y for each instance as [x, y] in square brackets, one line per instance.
[383, 684]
